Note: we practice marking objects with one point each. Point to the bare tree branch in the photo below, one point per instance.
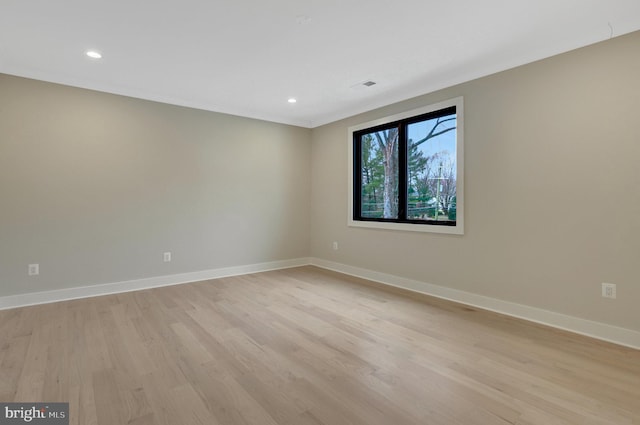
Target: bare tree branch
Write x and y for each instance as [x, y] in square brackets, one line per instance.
[432, 132]
[380, 141]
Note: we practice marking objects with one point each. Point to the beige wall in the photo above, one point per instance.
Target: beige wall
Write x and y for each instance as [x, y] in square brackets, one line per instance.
[552, 189]
[95, 187]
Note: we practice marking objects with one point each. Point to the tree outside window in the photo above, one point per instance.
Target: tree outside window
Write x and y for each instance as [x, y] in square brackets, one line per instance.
[408, 171]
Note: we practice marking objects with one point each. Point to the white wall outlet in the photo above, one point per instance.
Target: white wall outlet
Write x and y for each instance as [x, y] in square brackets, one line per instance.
[34, 269]
[166, 257]
[335, 246]
[609, 290]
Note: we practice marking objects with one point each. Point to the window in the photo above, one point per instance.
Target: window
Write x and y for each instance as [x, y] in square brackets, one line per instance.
[406, 171]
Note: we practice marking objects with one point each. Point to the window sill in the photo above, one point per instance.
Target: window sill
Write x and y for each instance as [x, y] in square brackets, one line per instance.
[458, 229]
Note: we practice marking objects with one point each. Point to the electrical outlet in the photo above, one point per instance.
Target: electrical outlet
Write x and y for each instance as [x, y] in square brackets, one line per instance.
[609, 290]
[335, 246]
[34, 269]
[166, 257]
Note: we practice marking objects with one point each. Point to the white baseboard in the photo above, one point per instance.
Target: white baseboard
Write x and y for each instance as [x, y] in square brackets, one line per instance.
[602, 331]
[598, 330]
[23, 300]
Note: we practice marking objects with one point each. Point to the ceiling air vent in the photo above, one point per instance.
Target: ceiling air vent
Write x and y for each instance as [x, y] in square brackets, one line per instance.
[363, 85]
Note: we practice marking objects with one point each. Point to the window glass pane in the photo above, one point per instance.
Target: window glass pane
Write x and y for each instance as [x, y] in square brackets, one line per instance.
[431, 169]
[379, 166]
[406, 170]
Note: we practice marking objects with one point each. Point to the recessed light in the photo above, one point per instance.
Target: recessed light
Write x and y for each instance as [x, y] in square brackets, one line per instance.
[292, 100]
[93, 54]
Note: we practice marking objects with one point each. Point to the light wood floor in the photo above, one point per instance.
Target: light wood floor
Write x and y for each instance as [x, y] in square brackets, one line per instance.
[307, 346]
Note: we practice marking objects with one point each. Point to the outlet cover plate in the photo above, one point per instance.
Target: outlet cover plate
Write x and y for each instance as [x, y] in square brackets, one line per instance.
[609, 290]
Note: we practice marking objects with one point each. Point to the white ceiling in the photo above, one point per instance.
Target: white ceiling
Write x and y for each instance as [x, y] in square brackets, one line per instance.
[247, 57]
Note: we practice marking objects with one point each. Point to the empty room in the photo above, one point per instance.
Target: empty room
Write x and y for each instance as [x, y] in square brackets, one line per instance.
[320, 213]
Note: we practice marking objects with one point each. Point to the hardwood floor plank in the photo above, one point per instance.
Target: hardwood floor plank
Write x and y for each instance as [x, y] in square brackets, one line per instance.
[14, 353]
[305, 346]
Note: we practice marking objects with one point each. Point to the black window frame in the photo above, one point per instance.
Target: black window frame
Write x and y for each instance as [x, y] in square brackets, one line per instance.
[403, 153]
